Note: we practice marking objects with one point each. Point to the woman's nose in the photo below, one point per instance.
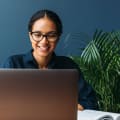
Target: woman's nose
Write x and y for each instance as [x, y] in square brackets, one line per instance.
[44, 40]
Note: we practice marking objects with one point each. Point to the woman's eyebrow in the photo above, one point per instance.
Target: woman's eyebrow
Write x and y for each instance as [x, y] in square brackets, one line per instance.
[45, 33]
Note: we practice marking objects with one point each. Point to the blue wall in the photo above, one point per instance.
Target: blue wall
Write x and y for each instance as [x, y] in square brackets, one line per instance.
[78, 16]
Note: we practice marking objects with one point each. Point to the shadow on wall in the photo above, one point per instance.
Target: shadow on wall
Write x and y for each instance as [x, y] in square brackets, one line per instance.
[72, 44]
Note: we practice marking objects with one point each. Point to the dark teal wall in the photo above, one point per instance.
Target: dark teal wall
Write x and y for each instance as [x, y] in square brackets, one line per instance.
[78, 16]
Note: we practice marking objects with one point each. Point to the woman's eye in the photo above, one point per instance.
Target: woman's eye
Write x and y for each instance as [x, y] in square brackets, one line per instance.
[37, 35]
[52, 35]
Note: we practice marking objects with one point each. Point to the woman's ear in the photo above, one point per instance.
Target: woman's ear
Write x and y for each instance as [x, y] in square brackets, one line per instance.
[30, 36]
[58, 38]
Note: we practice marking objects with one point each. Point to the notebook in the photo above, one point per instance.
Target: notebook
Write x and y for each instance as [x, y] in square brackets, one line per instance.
[33, 94]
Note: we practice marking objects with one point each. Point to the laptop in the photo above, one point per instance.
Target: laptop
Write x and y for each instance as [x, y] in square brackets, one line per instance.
[33, 94]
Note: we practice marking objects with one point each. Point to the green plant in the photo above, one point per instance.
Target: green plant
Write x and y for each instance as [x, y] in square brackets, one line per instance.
[100, 64]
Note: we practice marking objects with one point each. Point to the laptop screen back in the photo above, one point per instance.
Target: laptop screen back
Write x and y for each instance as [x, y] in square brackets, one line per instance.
[38, 94]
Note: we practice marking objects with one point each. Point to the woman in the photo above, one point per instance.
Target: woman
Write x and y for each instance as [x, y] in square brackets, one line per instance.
[45, 29]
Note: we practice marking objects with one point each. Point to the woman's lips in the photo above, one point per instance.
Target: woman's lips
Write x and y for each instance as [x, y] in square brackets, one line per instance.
[43, 48]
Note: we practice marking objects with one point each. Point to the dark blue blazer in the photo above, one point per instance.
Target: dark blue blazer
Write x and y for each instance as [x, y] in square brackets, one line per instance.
[86, 95]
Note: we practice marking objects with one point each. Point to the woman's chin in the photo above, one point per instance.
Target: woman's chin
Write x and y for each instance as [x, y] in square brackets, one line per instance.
[43, 54]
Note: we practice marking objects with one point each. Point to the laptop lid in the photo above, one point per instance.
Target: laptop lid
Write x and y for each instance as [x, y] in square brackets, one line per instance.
[34, 94]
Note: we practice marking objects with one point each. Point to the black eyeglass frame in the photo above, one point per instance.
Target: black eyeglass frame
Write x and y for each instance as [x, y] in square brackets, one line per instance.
[52, 38]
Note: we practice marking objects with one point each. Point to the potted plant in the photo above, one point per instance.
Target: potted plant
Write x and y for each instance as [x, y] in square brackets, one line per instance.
[100, 64]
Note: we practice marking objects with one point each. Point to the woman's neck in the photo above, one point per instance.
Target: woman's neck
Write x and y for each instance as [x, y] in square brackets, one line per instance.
[42, 61]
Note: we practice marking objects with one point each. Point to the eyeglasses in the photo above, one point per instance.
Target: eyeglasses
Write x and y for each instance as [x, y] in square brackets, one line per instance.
[38, 36]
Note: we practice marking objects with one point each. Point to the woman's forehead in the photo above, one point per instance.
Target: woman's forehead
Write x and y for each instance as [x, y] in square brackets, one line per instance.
[44, 24]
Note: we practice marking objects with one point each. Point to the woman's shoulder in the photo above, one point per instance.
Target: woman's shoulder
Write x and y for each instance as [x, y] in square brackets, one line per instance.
[19, 57]
[15, 58]
[66, 61]
[13, 61]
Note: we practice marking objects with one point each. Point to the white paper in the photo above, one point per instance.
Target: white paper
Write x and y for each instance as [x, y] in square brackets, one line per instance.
[97, 115]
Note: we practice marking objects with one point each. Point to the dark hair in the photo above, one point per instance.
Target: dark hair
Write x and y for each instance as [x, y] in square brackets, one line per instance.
[51, 15]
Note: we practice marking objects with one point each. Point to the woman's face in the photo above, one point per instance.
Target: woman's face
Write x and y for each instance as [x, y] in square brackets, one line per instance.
[43, 37]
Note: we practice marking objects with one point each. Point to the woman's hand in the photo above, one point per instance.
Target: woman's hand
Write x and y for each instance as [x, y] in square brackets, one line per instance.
[80, 107]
